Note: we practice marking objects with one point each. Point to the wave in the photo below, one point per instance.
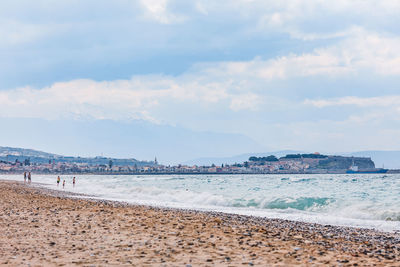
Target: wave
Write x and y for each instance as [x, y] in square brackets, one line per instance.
[332, 199]
[302, 203]
[158, 195]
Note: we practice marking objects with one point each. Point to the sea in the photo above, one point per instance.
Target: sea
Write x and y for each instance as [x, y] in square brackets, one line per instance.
[358, 200]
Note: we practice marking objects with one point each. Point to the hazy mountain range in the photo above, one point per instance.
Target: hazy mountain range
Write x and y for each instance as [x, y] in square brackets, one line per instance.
[134, 139]
[144, 141]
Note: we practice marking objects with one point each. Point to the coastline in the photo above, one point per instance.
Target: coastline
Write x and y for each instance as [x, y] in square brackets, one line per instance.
[48, 227]
[196, 173]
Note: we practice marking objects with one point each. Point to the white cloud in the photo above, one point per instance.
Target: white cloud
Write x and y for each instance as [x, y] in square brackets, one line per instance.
[234, 86]
[364, 52]
[311, 20]
[322, 42]
[120, 99]
[379, 101]
[158, 10]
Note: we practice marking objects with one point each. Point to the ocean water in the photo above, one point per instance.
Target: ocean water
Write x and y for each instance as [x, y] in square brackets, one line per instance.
[360, 200]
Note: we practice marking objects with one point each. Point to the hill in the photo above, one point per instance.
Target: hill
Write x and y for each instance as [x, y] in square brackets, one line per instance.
[387, 159]
[206, 161]
[12, 154]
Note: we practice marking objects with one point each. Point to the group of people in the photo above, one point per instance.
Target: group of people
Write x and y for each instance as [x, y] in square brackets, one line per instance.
[27, 175]
[63, 184]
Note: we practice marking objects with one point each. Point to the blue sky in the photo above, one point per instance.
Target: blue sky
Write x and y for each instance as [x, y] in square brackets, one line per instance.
[304, 75]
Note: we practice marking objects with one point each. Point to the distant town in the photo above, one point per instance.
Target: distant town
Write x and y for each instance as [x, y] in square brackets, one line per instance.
[15, 160]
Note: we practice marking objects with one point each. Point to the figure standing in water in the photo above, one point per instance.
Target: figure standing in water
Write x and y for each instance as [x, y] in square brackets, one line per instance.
[29, 178]
[24, 177]
[73, 181]
[58, 180]
[63, 183]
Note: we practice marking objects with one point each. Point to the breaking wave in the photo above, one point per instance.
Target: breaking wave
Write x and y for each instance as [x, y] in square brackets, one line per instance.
[353, 200]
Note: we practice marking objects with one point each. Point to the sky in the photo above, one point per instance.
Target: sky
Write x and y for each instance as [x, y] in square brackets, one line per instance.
[307, 75]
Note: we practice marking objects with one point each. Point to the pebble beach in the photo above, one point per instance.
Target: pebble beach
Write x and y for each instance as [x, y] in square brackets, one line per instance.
[41, 227]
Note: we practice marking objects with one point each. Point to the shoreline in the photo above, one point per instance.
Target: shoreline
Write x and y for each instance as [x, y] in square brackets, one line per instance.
[82, 196]
[318, 219]
[390, 171]
[185, 236]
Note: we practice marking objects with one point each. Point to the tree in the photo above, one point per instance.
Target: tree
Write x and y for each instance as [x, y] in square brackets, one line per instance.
[110, 163]
[271, 158]
[263, 159]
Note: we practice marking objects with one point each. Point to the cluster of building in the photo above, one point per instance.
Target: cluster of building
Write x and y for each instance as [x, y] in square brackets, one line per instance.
[292, 163]
[67, 167]
[304, 163]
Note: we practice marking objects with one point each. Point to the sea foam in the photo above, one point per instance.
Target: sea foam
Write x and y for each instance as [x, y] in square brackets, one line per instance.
[367, 200]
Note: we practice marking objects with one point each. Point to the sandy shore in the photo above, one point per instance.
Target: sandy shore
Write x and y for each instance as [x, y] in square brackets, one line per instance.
[41, 227]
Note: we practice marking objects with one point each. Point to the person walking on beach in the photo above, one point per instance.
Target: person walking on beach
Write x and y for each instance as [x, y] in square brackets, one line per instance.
[29, 178]
[63, 183]
[24, 177]
[58, 180]
[73, 181]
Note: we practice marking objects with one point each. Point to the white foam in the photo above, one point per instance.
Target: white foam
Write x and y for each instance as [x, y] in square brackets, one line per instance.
[350, 204]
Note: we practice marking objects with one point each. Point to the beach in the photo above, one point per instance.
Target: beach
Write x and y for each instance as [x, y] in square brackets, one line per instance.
[42, 227]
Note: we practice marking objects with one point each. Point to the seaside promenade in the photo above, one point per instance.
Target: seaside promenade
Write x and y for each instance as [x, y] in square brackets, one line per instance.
[41, 227]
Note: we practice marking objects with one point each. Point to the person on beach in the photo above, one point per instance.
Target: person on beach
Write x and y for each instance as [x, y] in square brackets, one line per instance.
[63, 183]
[24, 177]
[29, 178]
[58, 180]
[73, 181]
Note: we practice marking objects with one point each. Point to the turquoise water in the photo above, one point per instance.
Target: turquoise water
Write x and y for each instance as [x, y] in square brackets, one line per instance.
[362, 200]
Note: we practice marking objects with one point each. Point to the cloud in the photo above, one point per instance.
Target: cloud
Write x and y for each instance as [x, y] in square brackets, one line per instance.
[231, 86]
[366, 51]
[379, 101]
[313, 20]
[207, 65]
[158, 10]
[120, 99]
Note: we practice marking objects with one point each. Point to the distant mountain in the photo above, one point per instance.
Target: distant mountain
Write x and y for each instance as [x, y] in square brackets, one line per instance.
[237, 159]
[134, 139]
[24, 152]
[11, 154]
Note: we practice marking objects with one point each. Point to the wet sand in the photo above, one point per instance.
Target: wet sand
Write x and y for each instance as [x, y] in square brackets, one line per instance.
[41, 227]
